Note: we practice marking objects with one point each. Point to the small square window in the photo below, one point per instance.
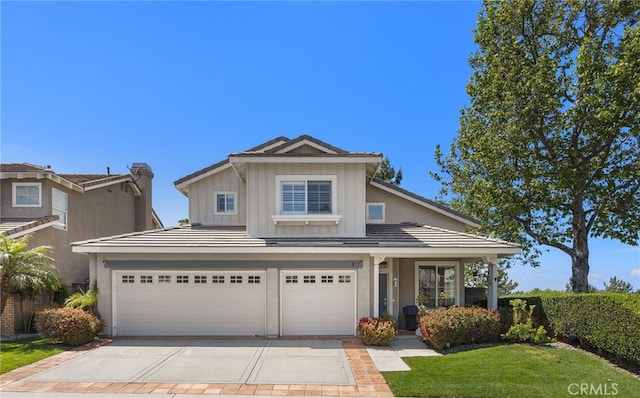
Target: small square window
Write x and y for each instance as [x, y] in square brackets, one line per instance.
[225, 203]
[253, 279]
[309, 279]
[200, 279]
[235, 279]
[146, 279]
[182, 279]
[327, 279]
[375, 213]
[217, 279]
[27, 194]
[344, 279]
[128, 279]
[164, 279]
[291, 279]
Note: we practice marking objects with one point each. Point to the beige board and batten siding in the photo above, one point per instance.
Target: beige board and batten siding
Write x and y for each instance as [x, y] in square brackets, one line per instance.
[202, 200]
[399, 210]
[262, 191]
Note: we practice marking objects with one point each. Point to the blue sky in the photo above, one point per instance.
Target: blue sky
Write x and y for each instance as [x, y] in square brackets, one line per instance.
[180, 85]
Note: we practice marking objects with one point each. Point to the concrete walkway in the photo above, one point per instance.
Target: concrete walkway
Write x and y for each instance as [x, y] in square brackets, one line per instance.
[389, 359]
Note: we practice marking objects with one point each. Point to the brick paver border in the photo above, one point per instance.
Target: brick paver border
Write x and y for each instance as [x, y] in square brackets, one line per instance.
[369, 381]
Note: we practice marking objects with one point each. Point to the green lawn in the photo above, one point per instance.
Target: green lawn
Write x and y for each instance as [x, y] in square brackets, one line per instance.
[14, 354]
[512, 371]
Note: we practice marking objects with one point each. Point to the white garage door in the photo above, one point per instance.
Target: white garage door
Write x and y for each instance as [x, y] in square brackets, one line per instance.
[189, 303]
[318, 302]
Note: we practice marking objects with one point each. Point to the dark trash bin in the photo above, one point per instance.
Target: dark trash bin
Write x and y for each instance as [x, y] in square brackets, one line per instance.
[410, 315]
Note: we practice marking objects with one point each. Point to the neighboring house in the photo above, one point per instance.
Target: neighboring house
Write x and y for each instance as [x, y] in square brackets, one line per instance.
[292, 237]
[58, 209]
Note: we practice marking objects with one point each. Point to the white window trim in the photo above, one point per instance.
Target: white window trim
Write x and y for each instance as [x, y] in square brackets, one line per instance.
[24, 184]
[235, 203]
[303, 218]
[458, 271]
[60, 224]
[370, 221]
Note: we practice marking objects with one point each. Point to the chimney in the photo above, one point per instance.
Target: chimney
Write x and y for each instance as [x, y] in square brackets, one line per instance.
[143, 177]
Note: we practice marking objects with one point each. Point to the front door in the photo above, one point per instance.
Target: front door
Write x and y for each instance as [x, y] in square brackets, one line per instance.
[383, 298]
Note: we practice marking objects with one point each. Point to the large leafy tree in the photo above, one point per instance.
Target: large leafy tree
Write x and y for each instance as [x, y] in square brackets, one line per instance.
[548, 149]
[25, 272]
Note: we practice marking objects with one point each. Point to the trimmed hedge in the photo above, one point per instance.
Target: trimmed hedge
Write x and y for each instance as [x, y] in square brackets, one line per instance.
[377, 331]
[609, 322]
[449, 327]
[69, 326]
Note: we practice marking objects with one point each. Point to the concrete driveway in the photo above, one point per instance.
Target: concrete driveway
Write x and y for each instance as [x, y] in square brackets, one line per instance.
[305, 362]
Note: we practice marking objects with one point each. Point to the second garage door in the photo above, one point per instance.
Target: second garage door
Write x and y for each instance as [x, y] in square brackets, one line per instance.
[190, 303]
[318, 302]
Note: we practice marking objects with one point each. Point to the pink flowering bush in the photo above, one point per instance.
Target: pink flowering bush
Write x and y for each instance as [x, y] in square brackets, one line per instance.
[69, 326]
[377, 331]
[448, 327]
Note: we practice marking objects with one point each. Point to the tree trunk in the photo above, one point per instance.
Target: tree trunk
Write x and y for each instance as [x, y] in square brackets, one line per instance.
[580, 255]
[5, 292]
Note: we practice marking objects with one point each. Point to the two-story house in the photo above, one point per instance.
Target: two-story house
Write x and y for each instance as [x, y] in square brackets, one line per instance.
[292, 237]
[57, 209]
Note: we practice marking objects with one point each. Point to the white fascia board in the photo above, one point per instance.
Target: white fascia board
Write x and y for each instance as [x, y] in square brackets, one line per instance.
[183, 187]
[135, 188]
[425, 204]
[311, 144]
[42, 175]
[373, 251]
[304, 159]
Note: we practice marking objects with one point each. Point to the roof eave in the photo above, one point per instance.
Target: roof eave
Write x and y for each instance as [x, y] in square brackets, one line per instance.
[378, 251]
[259, 158]
[40, 175]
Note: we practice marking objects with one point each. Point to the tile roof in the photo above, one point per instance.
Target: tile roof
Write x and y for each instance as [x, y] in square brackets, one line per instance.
[22, 168]
[82, 180]
[379, 236]
[11, 227]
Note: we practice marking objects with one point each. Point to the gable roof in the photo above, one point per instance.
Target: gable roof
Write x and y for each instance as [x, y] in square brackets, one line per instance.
[76, 182]
[277, 149]
[422, 201]
[381, 239]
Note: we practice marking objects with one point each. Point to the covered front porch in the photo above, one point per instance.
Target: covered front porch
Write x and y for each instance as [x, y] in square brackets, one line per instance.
[397, 281]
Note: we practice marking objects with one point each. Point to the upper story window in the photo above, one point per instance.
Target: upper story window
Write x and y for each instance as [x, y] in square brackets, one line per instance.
[27, 194]
[225, 202]
[60, 207]
[375, 213]
[310, 195]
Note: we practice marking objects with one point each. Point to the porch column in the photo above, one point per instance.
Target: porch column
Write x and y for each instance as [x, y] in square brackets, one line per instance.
[376, 285]
[492, 282]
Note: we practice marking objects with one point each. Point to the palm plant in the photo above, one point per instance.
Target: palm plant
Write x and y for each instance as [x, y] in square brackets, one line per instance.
[84, 299]
[25, 272]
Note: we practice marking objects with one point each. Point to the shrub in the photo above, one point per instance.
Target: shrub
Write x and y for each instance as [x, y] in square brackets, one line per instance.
[69, 326]
[523, 330]
[377, 331]
[448, 327]
[609, 322]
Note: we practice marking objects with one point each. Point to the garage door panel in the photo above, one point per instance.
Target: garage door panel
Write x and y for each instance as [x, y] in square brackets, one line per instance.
[318, 302]
[157, 303]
